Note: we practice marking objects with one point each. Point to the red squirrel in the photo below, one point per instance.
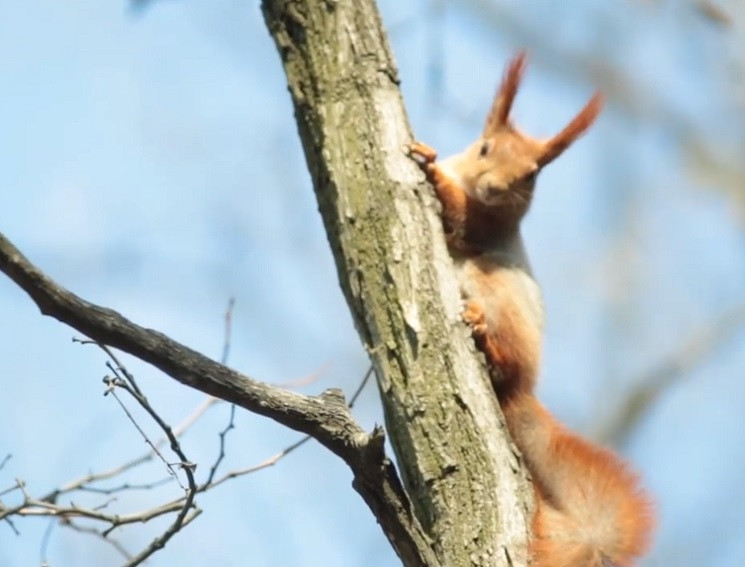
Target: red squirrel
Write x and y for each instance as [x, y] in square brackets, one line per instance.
[590, 509]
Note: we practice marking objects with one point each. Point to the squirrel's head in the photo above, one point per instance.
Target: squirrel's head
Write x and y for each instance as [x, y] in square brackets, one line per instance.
[500, 168]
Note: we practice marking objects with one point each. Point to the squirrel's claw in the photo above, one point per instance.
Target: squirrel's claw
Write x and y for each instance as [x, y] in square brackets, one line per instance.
[422, 153]
[474, 317]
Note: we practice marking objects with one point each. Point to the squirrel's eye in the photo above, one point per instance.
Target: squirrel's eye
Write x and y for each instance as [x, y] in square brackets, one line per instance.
[484, 149]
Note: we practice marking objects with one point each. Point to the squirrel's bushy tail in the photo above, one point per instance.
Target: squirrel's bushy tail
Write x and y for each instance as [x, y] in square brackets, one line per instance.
[590, 510]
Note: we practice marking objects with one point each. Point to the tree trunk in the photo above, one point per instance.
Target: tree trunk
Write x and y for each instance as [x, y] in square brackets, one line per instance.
[469, 491]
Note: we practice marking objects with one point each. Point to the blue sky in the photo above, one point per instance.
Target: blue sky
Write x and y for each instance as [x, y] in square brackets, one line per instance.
[150, 163]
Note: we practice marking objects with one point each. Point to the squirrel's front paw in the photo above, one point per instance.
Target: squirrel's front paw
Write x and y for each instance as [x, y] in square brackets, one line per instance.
[422, 153]
[474, 317]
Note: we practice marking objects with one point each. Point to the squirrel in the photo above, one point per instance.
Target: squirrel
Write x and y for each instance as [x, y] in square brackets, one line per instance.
[590, 510]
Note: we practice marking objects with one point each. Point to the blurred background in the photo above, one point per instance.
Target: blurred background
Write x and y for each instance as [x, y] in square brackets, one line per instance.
[149, 161]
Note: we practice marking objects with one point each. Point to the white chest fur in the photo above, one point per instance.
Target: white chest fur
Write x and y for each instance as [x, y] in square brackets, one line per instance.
[492, 283]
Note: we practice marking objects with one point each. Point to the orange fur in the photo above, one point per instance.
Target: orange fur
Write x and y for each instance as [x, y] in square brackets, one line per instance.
[590, 511]
[589, 506]
[509, 345]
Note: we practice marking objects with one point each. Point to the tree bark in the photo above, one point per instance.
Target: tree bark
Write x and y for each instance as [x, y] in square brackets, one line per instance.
[468, 488]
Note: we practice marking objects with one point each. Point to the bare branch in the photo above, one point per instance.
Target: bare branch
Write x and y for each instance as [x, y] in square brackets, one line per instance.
[228, 331]
[221, 452]
[67, 514]
[271, 461]
[160, 542]
[714, 13]
[112, 384]
[325, 417]
[129, 385]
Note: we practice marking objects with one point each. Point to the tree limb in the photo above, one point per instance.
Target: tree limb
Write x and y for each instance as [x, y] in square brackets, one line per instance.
[467, 486]
[325, 417]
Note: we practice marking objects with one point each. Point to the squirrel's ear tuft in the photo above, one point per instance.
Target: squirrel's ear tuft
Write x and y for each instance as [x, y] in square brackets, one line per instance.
[500, 110]
[554, 147]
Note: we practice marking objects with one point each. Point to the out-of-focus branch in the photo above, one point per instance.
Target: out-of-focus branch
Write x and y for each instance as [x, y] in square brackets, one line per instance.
[656, 381]
[713, 12]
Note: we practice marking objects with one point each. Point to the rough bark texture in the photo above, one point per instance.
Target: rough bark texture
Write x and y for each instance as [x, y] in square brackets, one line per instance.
[467, 486]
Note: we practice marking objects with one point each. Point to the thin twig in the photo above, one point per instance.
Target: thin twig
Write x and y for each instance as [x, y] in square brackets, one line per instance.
[124, 487]
[129, 385]
[113, 382]
[271, 461]
[45, 542]
[228, 330]
[231, 419]
[119, 366]
[358, 391]
[304, 380]
[116, 544]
